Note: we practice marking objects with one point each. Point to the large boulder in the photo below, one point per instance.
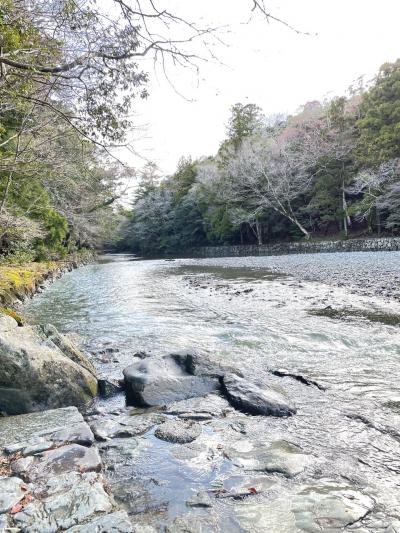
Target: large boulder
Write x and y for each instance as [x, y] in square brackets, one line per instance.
[160, 380]
[253, 399]
[36, 374]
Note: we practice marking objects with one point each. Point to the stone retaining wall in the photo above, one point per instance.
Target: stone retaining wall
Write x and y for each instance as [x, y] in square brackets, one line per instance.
[352, 245]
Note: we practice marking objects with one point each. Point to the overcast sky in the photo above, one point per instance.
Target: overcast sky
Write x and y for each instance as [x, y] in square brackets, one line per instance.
[265, 64]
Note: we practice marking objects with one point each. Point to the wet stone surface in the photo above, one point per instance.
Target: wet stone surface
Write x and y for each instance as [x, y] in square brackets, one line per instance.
[56, 481]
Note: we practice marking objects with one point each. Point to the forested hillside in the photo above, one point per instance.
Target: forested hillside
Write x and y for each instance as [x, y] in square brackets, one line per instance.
[332, 169]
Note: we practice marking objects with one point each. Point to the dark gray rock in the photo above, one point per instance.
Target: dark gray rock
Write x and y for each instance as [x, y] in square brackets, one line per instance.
[199, 364]
[109, 388]
[161, 380]
[251, 398]
[180, 431]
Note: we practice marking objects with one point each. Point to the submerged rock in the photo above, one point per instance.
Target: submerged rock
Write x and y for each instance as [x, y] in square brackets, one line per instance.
[201, 499]
[329, 508]
[124, 426]
[181, 431]
[37, 375]
[192, 523]
[279, 457]
[252, 399]
[161, 380]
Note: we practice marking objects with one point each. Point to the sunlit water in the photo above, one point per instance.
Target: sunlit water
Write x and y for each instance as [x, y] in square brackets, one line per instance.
[241, 311]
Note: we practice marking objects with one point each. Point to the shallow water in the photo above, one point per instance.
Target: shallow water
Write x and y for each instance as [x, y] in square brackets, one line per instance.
[258, 314]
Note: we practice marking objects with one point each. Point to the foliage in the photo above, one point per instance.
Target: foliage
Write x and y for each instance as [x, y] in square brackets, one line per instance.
[334, 167]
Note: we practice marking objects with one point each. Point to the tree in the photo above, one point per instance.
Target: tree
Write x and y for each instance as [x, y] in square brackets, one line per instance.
[266, 174]
[379, 122]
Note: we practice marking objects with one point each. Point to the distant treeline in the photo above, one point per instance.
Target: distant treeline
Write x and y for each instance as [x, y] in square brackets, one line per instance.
[331, 169]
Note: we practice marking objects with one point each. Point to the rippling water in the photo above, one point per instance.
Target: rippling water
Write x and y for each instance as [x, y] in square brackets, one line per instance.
[249, 312]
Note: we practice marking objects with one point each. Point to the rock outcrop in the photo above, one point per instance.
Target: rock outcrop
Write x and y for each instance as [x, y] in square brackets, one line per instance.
[41, 370]
[160, 380]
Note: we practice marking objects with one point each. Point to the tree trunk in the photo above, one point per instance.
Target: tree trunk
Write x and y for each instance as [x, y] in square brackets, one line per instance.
[346, 218]
[259, 232]
[378, 220]
[301, 228]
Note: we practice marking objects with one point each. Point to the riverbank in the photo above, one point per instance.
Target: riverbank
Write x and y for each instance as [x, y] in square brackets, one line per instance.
[21, 281]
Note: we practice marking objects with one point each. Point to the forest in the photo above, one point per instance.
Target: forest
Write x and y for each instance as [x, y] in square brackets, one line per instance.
[70, 75]
[330, 170]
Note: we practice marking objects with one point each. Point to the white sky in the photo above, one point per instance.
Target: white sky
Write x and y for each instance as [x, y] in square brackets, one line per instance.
[265, 64]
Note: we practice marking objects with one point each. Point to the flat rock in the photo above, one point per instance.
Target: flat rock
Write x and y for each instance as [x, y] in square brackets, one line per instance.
[329, 508]
[75, 434]
[203, 408]
[65, 509]
[70, 458]
[117, 522]
[251, 398]
[124, 426]
[11, 492]
[161, 380]
[180, 431]
[23, 428]
[279, 457]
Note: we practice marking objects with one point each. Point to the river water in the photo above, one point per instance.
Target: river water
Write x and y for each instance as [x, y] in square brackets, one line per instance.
[313, 316]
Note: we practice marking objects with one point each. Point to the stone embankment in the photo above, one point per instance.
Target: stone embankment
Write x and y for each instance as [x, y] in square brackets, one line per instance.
[304, 247]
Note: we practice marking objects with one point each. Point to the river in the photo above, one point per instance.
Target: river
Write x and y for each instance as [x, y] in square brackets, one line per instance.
[329, 318]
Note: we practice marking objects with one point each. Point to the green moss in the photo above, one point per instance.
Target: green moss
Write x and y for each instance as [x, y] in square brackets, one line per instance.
[20, 280]
[13, 314]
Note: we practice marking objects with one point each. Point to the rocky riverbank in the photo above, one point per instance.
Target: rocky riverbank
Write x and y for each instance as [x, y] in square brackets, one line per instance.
[215, 437]
[51, 476]
[18, 282]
